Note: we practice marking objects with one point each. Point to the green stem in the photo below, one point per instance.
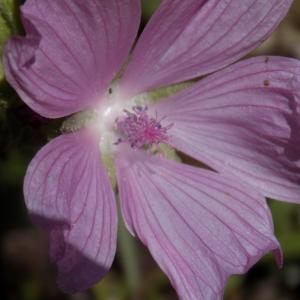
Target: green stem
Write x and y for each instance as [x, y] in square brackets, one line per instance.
[128, 255]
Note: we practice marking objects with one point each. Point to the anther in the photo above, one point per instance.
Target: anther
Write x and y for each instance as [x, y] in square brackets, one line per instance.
[139, 130]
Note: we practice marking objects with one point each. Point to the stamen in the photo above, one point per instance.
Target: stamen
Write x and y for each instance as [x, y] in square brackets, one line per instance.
[140, 130]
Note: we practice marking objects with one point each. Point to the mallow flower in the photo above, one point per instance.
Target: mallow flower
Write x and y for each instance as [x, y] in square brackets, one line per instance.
[200, 224]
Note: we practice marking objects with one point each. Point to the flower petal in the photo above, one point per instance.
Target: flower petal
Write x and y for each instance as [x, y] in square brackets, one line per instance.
[199, 226]
[245, 121]
[71, 52]
[68, 193]
[186, 39]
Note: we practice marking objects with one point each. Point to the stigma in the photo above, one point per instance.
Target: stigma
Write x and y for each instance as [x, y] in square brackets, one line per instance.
[128, 121]
[140, 130]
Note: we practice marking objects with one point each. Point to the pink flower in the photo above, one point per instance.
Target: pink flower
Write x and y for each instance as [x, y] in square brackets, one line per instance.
[201, 226]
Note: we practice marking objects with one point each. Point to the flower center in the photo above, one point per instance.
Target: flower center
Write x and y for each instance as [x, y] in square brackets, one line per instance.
[120, 120]
[140, 130]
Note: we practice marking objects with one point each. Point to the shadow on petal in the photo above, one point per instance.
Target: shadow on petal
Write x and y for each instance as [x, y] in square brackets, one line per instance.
[75, 270]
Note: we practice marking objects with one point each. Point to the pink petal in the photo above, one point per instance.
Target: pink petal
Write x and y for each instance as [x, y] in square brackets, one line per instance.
[186, 39]
[71, 52]
[199, 226]
[68, 193]
[244, 121]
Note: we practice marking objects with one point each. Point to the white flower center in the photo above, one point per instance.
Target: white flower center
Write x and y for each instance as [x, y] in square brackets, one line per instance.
[109, 110]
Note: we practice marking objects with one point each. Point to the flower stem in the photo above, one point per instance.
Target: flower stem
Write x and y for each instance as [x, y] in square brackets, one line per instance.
[127, 252]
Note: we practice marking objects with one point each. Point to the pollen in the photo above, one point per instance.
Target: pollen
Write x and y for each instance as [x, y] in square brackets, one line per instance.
[139, 130]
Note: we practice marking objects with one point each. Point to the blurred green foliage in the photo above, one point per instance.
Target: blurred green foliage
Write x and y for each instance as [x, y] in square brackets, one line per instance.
[9, 24]
[149, 7]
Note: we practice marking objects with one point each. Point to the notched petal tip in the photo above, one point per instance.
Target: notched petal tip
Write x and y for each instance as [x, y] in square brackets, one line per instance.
[32, 40]
[278, 254]
[71, 52]
[19, 52]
